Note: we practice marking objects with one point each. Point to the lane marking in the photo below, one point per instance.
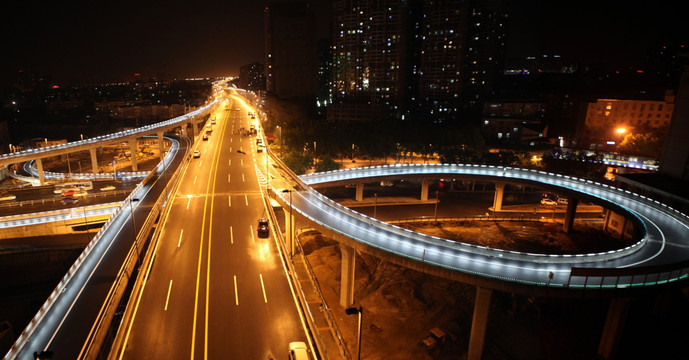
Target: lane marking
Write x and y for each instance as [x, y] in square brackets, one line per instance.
[228, 177]
[251, 229]
[231, 236]
[229, 201]
[179, 242]
[236, 296]
[246, 200]
[229, 163]
[242, 177]
[168, 294]
[188, 202]
[195, 179]
[265, 299]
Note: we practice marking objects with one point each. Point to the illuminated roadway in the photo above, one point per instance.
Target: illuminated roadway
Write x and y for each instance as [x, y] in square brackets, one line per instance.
[660, 256]
[68, 321]
[216, 290]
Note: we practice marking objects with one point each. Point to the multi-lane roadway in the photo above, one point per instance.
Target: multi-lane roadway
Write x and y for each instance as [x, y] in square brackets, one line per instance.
[216, 289]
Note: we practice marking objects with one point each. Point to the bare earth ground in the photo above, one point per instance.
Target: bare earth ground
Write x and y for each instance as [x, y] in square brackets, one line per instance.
[400, 306]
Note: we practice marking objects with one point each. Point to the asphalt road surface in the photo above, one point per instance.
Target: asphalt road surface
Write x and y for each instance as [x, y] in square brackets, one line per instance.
[216, 290]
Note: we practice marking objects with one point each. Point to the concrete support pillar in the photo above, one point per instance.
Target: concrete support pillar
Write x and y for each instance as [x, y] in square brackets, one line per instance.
[568, 222]
[424, 189]
[192, 126]
[612, 330]
[606, 220]
[359, 192]
[479, 323]
[499, 193]
[41, 174]
[347, 276]
[625, 228]
[134, 149]
[94, 160]
[161, 145]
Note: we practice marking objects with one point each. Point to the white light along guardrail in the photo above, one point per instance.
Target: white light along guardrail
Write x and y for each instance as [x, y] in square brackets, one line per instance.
[47, 305]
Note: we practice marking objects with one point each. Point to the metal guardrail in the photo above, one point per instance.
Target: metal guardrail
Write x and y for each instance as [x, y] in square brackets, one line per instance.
[160, 206]
[47, 305]
[326, 309]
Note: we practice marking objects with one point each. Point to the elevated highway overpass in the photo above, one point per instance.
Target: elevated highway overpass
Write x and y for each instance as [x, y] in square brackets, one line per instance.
[659, 257]
[186, 122]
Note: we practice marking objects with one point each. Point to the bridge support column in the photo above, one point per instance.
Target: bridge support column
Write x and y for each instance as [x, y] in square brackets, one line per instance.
[94, 160]
[499, 193]
[134, 150]
[347, 275]
[192, 129]
[614, 323]
[161, 145]
[359, 192]
[479, 323]
[568, 222]
[424, 189]
[41, 174]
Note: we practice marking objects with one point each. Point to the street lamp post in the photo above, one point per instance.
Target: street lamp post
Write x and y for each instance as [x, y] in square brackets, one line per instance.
[375, 204]
[291, 225]
[620, 132]
[355, 311]
[69, 167]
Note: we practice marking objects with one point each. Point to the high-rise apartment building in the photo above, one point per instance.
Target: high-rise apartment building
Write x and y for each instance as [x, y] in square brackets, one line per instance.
[290, 50]
[441, 62]
[368, 49]
[485, 50]
[421, 59]
[252, 77]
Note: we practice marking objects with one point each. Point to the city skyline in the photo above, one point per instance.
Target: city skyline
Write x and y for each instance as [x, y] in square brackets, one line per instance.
[91, 43]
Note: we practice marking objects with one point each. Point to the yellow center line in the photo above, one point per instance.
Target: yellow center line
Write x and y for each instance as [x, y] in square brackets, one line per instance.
[211, 180]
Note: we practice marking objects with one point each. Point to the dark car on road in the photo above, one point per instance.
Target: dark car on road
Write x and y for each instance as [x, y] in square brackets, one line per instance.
[263, 229]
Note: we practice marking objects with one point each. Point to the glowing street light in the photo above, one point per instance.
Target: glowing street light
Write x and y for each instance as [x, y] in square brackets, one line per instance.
[620, 132]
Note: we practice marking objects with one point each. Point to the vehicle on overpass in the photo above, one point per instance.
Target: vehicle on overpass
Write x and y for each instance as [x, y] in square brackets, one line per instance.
[547, 201]
[78, 186]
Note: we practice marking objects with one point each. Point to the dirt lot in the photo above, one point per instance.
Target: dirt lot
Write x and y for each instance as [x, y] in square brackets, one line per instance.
[401, 306]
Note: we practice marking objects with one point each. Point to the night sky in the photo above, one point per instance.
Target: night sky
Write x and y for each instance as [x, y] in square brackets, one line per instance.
[101, 41]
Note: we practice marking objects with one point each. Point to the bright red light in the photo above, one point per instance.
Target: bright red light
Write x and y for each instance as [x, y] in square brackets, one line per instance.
[56, 86]
[137, 74]
[639, 71]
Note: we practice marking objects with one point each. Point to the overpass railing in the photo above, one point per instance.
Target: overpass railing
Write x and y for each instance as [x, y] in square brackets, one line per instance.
[64, 282]
[113, 297]
[580, 276]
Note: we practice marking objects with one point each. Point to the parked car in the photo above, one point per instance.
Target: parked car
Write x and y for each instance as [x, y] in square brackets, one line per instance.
[263, 229]
[562, 201]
